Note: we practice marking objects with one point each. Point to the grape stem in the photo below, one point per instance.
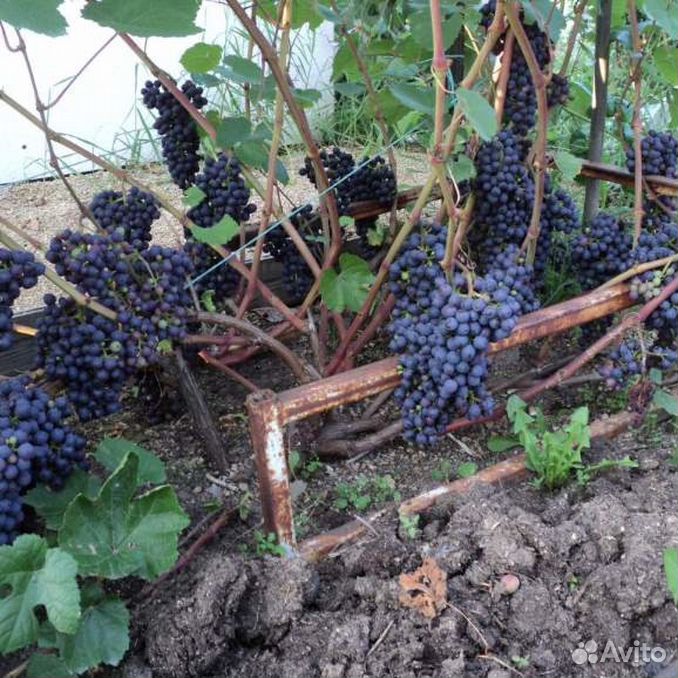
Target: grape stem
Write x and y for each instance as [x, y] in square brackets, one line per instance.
[636, 73]
[637, 270]
[539, 82]
[572, 37]
[504, 73]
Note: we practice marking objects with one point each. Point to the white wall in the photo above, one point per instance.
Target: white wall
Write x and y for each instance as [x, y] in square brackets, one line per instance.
[102, 108]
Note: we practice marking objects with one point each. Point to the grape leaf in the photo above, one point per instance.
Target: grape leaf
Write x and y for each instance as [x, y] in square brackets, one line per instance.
[349, 288]
[240, 69]
[102, 637]
[233, 130]
[665, 14]
[666, 401]
[462, 168]
[193, 196]
[46, 666]
[36, 575]
[201, 57]
[570, 165]
[671, 572]
[546, 16]
[219, 234]
[40, 16]
[116, 535]
[422, 31]
[163, 18]
[665, 58]
[253, 154]
[350, 89]
[420, 99]
[478, 112]
[306, 98]
[111, 451]
[51, 505]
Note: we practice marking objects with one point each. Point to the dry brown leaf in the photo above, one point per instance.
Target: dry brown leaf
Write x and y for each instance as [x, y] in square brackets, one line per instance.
[425, 589]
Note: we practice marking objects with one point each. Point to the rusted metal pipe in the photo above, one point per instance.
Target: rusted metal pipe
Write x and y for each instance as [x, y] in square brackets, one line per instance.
[504, 473]
[267, 430]
[354, 385]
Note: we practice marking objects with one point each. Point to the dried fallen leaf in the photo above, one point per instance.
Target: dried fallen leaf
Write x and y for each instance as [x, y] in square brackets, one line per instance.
[425, 589]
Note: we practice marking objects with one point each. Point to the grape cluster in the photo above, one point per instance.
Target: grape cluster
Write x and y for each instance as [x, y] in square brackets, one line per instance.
[622, 364]
[222, 282]
[558, 91]
[35, 445]
[18, 270]
[601, 250]
[225, 192]
[178, 131]
[132, 215]
[443, 332]
[297, 276]
[505, 192]
[373, 181]
[92, 355]
[659, 153]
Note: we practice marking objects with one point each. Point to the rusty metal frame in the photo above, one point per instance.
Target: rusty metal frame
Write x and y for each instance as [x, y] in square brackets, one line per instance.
[269, 412]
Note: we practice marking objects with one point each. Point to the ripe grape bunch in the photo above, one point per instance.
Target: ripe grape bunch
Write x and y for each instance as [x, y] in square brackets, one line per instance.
[18, 271]
[132, 215]
[36, 444]
[92, 355]
[226, 194]
[659, 154]
[178, 131]
[443, 331]
[601, 250]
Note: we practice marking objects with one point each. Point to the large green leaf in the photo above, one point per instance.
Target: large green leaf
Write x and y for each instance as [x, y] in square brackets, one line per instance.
[547, 16]
[665, 14]
[349, 288]
[33, 575]
[232, 131]
[221, 233]
[201, 58]
[570, 165]
[240, 70]
[111, 452]
[421, 99]
[102, 637]
[665, 60]
[149, 18]
[307, 98]
[478, 112]
[51, 505]
[41, 16]
[252, 154]
[116, 535]
[422, 31]
[46, 666]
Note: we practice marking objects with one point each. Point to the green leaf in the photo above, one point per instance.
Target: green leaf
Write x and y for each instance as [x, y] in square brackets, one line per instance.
[462, 168]
[51, 505]
[570, 165]
[193, 196]
[348, 289]
[666, 401]
[46, 666]
[232, 131]
[281, 172]
[162, 18]
[501, 443]
[101, 638]
[116, 535]
[307, 98]
[541, 11]
[219, 234]
[350, 89]
[35, 575]
[671, 572]
[112, 451]
[665, 14]
[467, 469]
[253, 154]
[240, 69]
[201, 58]
[40, 16]
[420, 99]
[344, 63]
[478, 112]
[656, 376]
[665, 58]
[422, 31]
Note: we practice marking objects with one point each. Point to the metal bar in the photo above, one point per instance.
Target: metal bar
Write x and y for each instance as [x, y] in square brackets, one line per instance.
[267, 428]
[354, 385]
[504, 473]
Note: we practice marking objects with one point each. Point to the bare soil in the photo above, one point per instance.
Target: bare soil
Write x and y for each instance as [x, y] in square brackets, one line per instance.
[589, 561]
